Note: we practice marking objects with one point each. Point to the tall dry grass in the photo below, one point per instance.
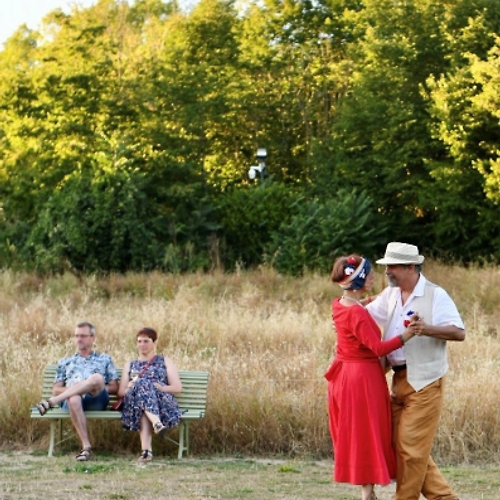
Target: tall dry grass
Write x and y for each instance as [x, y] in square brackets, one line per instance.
[266, 340]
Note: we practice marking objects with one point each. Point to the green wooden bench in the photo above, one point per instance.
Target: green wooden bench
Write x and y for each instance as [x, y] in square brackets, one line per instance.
[192, 400]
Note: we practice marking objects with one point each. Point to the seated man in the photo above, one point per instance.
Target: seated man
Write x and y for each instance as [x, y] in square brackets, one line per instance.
[83, 382]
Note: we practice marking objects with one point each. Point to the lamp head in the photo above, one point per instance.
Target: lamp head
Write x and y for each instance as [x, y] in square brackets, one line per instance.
[261, 154]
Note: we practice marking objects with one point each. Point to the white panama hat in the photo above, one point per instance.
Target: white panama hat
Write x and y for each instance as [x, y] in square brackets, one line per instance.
[401, 253]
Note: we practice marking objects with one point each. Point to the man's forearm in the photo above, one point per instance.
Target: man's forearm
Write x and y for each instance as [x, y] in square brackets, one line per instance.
[444, 332]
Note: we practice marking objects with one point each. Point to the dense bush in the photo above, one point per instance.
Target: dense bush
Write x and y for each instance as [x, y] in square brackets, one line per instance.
[249, 217]
[321, 230]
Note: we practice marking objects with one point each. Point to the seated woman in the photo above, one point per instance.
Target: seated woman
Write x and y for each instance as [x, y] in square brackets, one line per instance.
[148, 386]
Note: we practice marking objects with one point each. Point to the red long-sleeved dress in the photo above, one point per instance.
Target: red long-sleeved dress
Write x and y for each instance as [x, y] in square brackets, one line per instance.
[358, 400]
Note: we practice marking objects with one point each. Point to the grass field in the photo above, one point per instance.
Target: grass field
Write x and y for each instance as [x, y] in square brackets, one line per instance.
[266, 340]
[29, 477]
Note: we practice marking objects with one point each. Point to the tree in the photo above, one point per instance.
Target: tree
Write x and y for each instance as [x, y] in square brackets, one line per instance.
[465, 118]
[381, 137]
[320, 231]
[81, 107]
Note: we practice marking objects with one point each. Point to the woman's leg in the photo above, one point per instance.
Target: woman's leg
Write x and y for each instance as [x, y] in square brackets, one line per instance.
[154, 419]
[367, 492]
[158, 428]
[146, 432]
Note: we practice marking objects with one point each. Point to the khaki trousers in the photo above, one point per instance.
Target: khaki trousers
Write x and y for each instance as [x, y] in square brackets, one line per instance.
[415, 416]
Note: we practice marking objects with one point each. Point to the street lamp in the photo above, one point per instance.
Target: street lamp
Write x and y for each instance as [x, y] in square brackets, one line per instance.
[261, 167]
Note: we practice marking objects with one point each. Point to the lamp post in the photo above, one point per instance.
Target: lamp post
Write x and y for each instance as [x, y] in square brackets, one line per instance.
[261, 167]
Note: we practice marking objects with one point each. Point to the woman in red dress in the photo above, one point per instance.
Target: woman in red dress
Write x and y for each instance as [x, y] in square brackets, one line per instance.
[358, 397]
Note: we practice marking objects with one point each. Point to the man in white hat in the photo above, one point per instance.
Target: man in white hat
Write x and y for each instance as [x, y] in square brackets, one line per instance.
[418, 367]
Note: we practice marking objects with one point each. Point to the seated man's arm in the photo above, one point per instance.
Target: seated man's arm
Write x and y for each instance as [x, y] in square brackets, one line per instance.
[112, 386]
[58, 388]
[111, 376]
[60, 379]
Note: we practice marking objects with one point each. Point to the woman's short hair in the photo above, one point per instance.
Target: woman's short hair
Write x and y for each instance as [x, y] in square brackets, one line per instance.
[148, 332]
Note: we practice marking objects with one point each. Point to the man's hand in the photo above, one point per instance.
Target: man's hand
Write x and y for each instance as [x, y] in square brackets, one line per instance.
[417, 325]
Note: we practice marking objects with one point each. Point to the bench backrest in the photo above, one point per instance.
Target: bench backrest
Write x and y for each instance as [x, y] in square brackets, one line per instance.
[193, 397]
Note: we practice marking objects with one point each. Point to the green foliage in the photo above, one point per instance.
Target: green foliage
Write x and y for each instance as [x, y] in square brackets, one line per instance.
[248, 218]
[148, 117]
[465, 117]
[103, 218]
[100, 221]
[381, 136]
[322, 230]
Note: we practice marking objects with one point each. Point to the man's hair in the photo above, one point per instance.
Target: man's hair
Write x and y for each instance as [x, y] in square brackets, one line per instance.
[418, 267]
[90, 326]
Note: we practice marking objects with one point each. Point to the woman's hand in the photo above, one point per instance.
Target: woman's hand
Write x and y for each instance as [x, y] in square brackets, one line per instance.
[411, 328]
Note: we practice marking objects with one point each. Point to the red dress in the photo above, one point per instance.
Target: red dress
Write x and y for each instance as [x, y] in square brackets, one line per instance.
[358, 400]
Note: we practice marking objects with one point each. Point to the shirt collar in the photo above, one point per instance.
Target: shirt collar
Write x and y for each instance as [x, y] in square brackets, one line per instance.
[419, 289]
[91, 355]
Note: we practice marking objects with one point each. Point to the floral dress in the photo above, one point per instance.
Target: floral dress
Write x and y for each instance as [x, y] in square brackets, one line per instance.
[144, 396]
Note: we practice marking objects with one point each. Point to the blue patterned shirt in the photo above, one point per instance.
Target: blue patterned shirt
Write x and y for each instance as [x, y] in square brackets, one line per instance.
[75, 368]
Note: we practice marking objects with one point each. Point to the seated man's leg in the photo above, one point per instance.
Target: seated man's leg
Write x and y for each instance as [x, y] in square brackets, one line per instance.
[93, 388]
[98, 402]
[75, 407]
[93, 385]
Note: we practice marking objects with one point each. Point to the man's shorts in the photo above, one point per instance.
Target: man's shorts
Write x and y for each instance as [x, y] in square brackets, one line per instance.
[91, 403]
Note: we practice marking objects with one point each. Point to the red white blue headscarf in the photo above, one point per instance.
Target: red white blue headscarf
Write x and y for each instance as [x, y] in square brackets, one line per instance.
[355, 277]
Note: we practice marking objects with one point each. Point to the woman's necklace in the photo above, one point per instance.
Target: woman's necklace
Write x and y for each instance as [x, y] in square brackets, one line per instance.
[351, 298]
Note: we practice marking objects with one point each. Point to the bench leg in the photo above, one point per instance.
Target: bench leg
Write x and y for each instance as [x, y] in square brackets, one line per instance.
[183, 439]
[187, 438]
[52, 437]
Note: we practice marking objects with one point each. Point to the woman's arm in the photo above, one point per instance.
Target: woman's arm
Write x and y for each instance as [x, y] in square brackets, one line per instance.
[174, 382]
[124, 381]
[369, 334]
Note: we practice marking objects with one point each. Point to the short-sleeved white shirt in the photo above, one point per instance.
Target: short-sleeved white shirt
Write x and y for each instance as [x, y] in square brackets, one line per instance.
[444, 312]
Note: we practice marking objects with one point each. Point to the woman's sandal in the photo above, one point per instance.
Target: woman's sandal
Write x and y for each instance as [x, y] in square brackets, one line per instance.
[85, 455]
[43, 407]
[159, 429]
[146, 456]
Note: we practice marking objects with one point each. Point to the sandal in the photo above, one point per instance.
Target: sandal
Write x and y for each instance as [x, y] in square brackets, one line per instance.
[43, 407]
[159, 429]
[84, 455]
[146, 456]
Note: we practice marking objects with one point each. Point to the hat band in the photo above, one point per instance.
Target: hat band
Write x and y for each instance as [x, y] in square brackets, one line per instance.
[401, 256]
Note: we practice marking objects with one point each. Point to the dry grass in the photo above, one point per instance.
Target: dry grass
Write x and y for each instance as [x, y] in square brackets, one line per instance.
[266, 340]
[29, 477]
